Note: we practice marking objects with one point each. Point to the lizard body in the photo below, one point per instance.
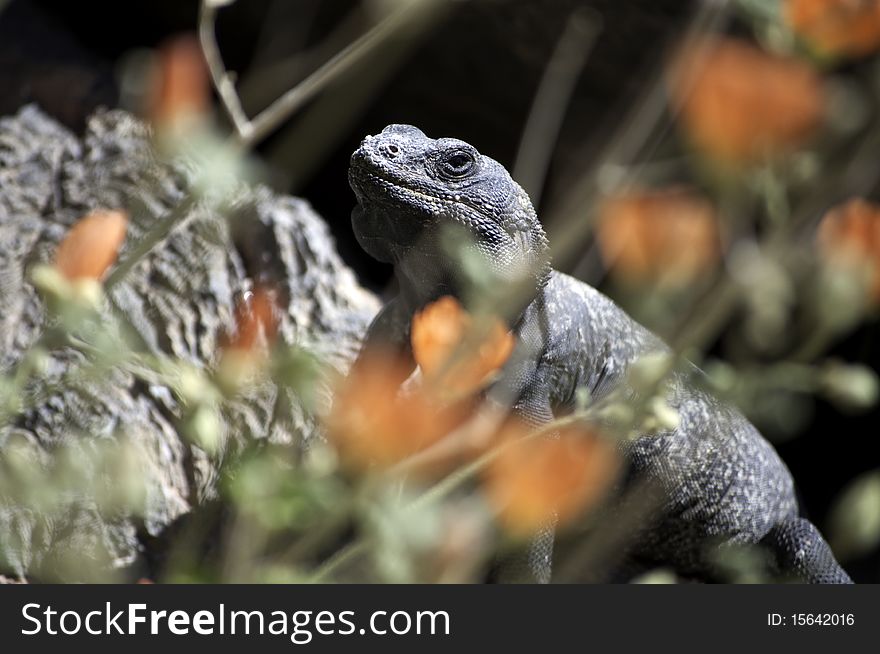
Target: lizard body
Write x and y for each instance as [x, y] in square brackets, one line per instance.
[720, 480]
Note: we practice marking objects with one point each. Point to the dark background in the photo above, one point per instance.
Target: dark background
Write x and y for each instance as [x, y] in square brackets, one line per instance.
[472, 76]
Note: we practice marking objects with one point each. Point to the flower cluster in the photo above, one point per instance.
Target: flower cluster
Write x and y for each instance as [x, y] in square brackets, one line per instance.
[383, 414]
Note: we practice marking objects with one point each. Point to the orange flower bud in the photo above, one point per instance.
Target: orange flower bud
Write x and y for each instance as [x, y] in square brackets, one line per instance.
[439, 342]
[92, 245]
[836, 28]
[533, 479]
[372, 423]
[669, 236]
[740, 104]
[849, 237]
[180, 87]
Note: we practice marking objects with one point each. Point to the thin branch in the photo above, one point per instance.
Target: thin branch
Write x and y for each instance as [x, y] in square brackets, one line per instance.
[340, 558]
[269, 119]
[219, 75]
[250, 131]
[160, 231]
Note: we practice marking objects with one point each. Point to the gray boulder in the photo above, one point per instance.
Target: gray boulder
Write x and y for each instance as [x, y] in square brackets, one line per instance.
[179, 300]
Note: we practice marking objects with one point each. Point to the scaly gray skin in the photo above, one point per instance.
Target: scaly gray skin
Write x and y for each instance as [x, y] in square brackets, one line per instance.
[721, 482]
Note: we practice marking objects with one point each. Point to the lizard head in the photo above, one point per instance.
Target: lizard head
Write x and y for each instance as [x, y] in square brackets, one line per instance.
[410, 187]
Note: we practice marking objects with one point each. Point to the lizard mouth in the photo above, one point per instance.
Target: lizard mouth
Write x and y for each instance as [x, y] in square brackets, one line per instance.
[370, 184]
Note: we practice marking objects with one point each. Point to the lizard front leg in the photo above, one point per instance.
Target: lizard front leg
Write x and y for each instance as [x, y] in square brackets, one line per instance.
[535, 563]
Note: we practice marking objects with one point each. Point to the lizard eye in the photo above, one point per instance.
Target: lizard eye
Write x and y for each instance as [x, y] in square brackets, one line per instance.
[457, 164]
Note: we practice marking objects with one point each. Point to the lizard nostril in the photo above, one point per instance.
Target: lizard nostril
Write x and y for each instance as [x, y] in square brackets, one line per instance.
[390, 150]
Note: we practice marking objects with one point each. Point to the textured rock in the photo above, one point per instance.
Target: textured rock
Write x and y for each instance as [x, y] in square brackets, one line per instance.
[180, 300]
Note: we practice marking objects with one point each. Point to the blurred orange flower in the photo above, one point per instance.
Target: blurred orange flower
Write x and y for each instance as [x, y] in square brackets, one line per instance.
[670, 236]
[836, 28]
[180, 89]
[849, 237]
[92, 245]
[740, 104]
[373, 423]
[533, 479]
[439, 338]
